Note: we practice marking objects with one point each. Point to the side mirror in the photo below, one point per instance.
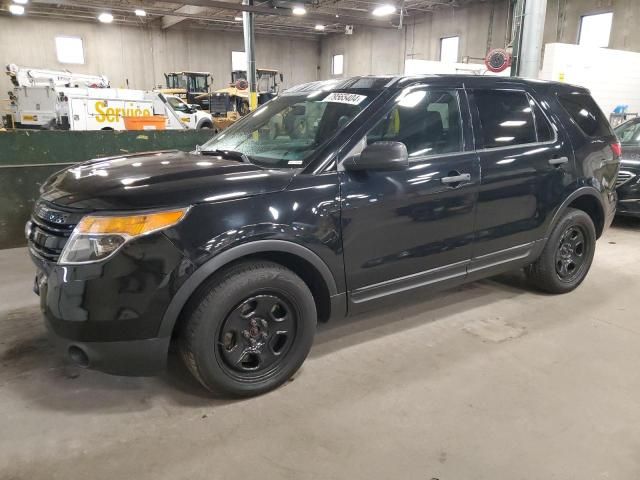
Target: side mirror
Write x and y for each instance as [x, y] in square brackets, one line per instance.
[379, 156]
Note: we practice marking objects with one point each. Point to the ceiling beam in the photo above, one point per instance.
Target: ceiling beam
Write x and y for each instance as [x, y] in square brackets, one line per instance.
[340, 17]
[170, 20]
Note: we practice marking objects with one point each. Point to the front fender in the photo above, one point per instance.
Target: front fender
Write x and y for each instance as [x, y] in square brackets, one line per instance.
[207, 269]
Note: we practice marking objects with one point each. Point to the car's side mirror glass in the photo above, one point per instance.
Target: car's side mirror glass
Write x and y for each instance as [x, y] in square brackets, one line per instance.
[379, 156]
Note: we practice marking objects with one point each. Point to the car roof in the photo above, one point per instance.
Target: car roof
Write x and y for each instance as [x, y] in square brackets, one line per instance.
[380, 82]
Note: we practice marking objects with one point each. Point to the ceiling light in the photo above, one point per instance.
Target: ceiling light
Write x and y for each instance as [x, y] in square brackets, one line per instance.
[298, 10]
[16, 9]
[105, 17]
[320, 28]
[238, 18]
[140, 13]
[21, 2]
[384, 10]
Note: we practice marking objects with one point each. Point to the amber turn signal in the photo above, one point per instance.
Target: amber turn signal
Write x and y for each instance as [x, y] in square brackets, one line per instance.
[131, 225]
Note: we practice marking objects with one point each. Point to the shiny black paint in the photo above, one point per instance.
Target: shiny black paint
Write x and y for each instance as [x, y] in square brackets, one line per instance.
[367, 234]
[520, 188]
[157, 180]
[629, 191]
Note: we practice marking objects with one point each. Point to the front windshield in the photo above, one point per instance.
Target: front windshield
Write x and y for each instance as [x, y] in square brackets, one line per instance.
[287, 131]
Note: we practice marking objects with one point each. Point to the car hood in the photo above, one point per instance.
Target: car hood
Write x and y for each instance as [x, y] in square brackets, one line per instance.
[158, 179]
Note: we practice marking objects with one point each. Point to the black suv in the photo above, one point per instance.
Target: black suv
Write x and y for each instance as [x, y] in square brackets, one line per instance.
[629, 176]
[332, 199]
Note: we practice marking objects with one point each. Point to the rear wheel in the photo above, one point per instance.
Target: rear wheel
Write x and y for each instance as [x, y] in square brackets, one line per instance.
[251, 329]
[567, 256]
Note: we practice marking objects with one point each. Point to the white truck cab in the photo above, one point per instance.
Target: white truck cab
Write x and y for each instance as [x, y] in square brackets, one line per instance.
[190, 115]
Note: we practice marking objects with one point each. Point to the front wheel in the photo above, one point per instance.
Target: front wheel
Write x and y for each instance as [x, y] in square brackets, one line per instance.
[567, 256]
[250, 330]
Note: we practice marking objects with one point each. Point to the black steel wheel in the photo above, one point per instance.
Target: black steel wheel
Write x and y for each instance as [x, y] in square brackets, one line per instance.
[571, 253]
[567, 256]
[256, 335]
[249, 330]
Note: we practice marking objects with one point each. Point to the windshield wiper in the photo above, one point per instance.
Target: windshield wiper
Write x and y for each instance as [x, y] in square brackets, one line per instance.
[227, 154]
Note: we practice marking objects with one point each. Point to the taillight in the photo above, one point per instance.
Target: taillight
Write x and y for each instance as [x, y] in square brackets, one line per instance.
[616, 148]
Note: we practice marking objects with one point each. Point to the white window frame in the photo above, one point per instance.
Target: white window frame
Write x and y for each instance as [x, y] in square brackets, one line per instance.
[334, 66]
[595, 37]
[66, 41]
[446, 52]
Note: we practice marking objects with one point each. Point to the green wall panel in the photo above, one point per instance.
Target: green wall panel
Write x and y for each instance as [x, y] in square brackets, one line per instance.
[28, 157]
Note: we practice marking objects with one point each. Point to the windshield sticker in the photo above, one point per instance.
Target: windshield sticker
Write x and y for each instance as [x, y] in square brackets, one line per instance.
[295, 162]
[348, 98]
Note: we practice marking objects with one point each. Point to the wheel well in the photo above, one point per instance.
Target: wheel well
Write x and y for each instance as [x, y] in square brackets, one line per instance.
[590, 205]
[305, 270]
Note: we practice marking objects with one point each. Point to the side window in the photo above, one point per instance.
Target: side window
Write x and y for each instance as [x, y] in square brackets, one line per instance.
[175, 103]
[584, 111]
[428, 122]
[543, 127]
[506, 118]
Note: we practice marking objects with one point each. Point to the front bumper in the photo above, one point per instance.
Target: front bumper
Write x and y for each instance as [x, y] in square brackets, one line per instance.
[107, 316]
[131, 357]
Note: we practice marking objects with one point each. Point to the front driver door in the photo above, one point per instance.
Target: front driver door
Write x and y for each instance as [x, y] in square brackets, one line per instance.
[414, 227]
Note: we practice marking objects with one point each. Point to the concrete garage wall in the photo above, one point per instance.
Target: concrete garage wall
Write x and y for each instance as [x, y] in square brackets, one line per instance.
[143, 54]
[378, 50]
[373, 50]
[563, 21]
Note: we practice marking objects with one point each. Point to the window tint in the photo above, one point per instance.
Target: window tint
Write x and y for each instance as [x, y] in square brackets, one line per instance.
[584, 111]
[427, 122]
[543, 127]
[506, 118]
[629, 133]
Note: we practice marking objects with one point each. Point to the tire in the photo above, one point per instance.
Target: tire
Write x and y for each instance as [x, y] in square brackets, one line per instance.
[205, 126]
[229, 340]
[567, 256]
[243, 109]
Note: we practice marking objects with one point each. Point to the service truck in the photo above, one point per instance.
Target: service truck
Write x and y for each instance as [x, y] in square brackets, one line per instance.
[99, 108]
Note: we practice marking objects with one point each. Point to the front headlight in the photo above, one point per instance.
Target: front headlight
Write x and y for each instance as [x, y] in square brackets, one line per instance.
[96, 238]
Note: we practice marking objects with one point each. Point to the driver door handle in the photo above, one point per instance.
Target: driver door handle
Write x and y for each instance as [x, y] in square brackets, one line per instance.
[463, 177]
[558, 161]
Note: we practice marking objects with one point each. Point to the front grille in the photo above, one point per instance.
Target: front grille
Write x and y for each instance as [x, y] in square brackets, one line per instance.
[50, 230]
[624, 177]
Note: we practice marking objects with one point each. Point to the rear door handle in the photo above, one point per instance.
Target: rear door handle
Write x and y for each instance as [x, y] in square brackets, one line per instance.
[463, 177]
[558, 161]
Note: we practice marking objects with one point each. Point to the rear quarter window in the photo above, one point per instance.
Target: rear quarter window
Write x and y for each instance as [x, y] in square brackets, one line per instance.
[586, 113]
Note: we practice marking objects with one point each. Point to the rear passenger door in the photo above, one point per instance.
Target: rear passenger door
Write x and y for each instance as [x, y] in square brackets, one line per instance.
[525, 159]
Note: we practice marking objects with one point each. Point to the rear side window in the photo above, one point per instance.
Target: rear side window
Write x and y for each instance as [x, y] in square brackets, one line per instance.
[584, 111]
[506, 118]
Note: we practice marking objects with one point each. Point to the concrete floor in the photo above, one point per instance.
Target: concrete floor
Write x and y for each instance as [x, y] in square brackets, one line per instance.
[491, 381]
